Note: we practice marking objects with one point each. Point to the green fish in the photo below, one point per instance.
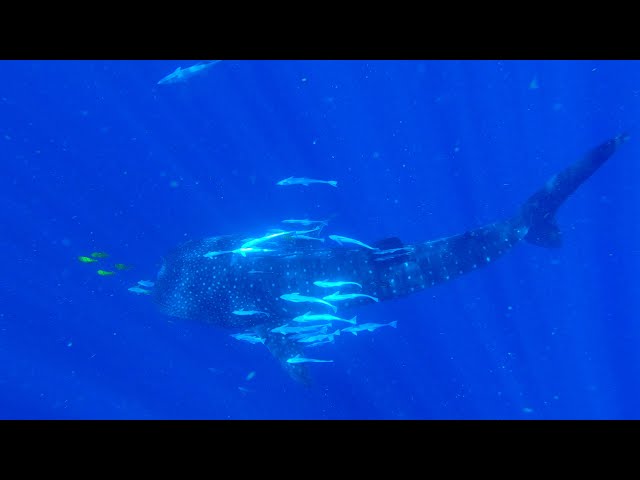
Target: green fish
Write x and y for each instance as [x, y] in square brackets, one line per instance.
[99, 255]
[122, 266]
[86, 259]
[105, 273]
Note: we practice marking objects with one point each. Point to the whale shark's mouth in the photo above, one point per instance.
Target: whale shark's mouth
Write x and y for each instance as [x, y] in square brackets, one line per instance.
[188, 285]
[166, 293]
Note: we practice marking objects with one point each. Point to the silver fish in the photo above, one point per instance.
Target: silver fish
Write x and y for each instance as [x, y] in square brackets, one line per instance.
[305, 181]
[244, 250]
[341, 240]
[316, 344]
[249, 312]
[215, 254]
[392, 250]
[319, 338]
[327, 284]
[255, 241]
[309, 317]
[286, 329]
[248, 337]
[369, 327]
[300, 359]
[337, 297]
[297, 298]
[180, 75]
[140, 291]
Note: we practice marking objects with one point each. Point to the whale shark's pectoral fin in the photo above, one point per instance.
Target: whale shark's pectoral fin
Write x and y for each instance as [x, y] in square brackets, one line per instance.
[545, 233]
[282, 348]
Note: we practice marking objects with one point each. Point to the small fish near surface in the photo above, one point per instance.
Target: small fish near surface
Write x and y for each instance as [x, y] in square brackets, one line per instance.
[305, 181]
[181, 75]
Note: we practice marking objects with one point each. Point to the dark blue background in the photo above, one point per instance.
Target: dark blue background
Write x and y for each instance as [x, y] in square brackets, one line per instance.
[94, 155]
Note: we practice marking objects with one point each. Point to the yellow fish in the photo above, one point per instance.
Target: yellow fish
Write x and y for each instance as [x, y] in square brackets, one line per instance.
[105, 273]
[122, 266]
[99, 255]
[87, 259]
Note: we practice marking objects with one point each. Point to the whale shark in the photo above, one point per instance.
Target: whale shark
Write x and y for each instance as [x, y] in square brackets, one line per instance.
[193, 284]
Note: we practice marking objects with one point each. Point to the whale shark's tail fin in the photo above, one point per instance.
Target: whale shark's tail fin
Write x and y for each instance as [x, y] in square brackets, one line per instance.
[538, 212]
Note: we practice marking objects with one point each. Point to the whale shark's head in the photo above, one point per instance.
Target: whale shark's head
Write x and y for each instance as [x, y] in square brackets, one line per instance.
[190, 285]
[170, 292]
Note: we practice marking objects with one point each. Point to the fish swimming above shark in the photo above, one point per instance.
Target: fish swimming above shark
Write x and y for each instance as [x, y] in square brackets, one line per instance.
[181, 75]
[191, 286]
[300, 359]
[342, 240]
[369, 327]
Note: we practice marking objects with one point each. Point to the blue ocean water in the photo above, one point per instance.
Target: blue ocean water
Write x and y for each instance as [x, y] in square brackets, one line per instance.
[96, 156]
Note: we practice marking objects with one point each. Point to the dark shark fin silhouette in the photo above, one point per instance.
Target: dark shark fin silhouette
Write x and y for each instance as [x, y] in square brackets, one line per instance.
[545, 233]
[538, 212]
[282, 348]
[388, 243]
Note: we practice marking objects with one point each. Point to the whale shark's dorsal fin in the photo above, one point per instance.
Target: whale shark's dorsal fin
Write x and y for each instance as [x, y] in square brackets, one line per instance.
[388, 243]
